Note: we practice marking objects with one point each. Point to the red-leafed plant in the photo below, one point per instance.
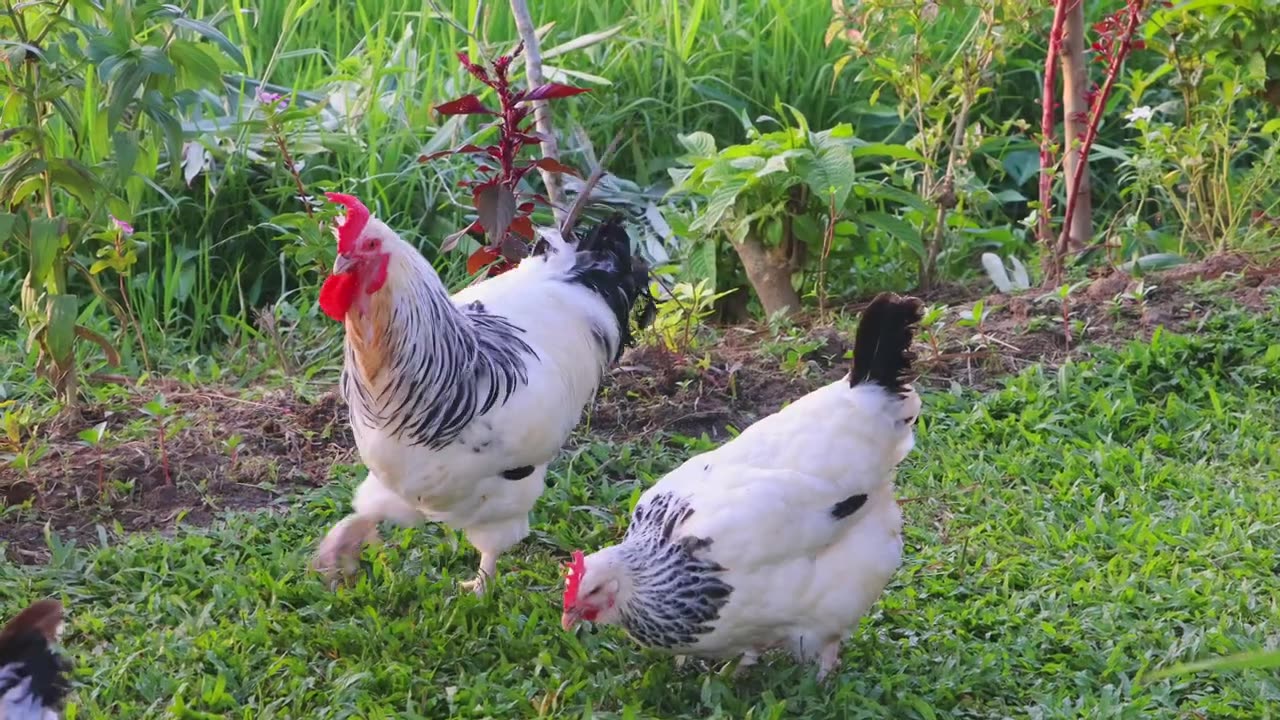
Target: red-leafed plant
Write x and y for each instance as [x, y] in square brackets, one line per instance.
[1115, 43]
[503, 206]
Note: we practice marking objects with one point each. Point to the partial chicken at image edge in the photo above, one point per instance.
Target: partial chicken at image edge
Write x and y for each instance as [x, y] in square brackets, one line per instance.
[458, 404]
[781, 538]
[33, 677]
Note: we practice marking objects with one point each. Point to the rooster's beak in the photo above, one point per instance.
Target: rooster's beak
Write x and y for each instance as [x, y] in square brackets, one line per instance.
[569, 618]
[344, 263]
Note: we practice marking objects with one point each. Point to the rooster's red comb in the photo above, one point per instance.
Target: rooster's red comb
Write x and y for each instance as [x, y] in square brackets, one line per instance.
[577, 568]
[351, 227]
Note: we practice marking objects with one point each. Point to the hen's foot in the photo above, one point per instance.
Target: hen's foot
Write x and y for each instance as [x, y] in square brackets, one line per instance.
[338, 556]
[749, 658]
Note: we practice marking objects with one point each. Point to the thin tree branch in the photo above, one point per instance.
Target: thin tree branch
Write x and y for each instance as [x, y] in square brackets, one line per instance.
[541, 110]
[585, 196]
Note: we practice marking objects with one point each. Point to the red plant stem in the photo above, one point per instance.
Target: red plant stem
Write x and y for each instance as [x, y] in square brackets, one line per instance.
[1047, 102]
[164, 459]
[1095, 118]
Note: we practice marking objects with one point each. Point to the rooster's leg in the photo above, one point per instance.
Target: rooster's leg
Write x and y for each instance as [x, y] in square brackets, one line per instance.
[829, 660]
[488, 571]
[339, 552]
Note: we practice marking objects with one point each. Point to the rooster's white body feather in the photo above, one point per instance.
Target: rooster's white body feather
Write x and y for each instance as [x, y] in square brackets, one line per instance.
[458, 404]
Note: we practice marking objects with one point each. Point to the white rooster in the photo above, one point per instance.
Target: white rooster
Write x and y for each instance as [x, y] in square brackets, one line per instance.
[458, 404]
[33, 678]
[782, 537]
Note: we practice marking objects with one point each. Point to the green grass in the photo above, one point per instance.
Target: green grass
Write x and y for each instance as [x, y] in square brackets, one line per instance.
[1072, 531]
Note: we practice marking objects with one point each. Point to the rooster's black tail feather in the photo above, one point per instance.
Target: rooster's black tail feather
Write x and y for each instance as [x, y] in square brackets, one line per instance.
[605, 264]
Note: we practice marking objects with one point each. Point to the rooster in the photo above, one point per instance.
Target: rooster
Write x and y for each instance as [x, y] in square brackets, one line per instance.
[782, 537]
[33, 678]
[458, 404]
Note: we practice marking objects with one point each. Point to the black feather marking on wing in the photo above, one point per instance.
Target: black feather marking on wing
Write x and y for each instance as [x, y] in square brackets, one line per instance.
[677, 591]
[605, 265]
[519, 473]
[456, 364]
[26, 655]
[848, 506]
[882, 347]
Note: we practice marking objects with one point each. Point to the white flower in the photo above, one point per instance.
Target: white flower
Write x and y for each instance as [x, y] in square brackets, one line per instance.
[1146, 112]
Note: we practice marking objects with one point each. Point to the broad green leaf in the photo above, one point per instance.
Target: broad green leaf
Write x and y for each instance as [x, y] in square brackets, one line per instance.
[125, 150]
[1272, 127]
[214, 35]
[702, 260]
[60, 332]
[898, 229]
[721, 201]
[698, 143]
[775, 164]
[124, 86]
[890, 150]
[153, 61]
[885, 192]
[195, 62]
[46, 242]
[7, 222]
[71, 175]
[830, 173]
[751, 163]
[18, 169]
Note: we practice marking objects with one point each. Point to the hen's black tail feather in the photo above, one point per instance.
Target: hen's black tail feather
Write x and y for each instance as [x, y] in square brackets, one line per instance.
[26, 653]
[882, 348]
[606, 266]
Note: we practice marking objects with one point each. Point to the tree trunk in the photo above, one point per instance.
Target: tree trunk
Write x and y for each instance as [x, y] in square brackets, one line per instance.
[1075, 122]
[769, 271]
[541, 110]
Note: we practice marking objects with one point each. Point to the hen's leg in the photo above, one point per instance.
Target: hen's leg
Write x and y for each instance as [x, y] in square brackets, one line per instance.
[339, 552]
[494, 538]
[829, 660]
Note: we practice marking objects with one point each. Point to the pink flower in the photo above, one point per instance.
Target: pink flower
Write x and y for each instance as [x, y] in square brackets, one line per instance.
[276, 100]
[121, 225]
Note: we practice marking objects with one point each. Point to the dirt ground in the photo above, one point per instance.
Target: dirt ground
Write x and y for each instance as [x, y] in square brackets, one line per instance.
[289, 443]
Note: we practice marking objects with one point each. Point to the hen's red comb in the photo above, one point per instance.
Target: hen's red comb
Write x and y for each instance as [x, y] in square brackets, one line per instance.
[577, 568]
[351, 227]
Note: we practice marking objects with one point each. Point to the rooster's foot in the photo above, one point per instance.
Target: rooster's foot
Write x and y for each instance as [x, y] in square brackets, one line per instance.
[339, 553]
[488, 571]
[476, 586]
[749, 658]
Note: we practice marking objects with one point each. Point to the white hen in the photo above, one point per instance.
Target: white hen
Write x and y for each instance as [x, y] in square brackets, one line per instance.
[782, 537]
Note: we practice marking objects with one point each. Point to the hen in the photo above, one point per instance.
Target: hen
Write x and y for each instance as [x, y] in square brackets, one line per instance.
[33, 678]
[782, 537]
[459, 403]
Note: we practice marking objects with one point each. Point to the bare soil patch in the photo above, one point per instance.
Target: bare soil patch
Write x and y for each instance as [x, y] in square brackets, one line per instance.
[289, 443]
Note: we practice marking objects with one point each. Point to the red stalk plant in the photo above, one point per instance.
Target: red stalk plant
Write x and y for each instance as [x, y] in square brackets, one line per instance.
[503, 208]
[1115, 43]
